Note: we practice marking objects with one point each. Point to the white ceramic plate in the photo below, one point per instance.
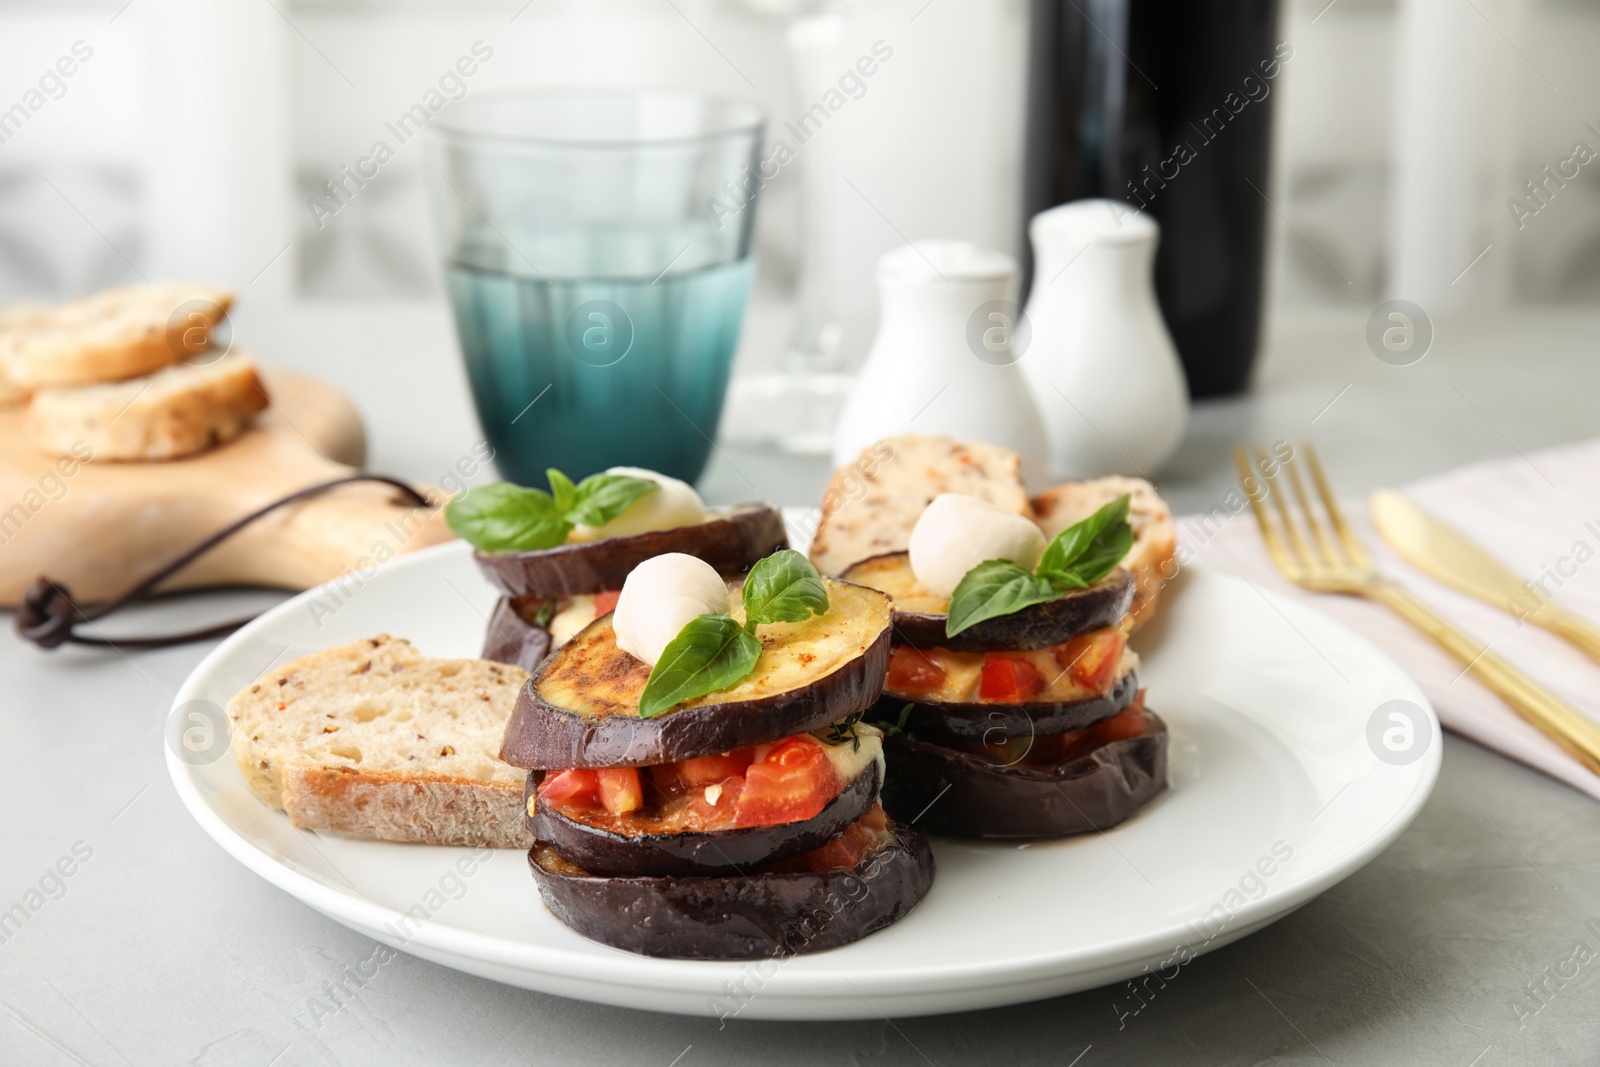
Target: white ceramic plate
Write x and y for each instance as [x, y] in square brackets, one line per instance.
[1275, 796]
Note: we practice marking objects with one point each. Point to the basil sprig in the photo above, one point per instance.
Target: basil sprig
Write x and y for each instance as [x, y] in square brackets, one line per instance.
[501, 517]
[716, 652]
[1075, 558]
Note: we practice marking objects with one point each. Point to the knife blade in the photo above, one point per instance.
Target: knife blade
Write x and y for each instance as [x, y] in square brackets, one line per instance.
[1438, 549]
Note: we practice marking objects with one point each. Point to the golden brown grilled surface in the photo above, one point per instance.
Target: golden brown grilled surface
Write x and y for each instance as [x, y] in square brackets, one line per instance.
[592, 676]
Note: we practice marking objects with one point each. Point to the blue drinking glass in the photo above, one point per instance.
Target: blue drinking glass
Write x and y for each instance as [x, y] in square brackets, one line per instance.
[597, 250]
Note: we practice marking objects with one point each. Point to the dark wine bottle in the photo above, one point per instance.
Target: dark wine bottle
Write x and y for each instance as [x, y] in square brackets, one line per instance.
[1165, 105]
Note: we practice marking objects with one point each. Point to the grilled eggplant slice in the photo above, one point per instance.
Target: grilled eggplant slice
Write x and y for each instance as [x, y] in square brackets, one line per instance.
[582, 708]
[963, 795]
[919, 616]
[754, 915]
[514, 638]
[731, 541]
[606, 851]
[980, 721]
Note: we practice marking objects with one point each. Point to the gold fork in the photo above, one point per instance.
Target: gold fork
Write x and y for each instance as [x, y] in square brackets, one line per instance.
[1334, 561]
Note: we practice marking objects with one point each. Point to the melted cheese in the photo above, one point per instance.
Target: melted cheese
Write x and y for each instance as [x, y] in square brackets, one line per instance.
[849, 759]
[570, 619]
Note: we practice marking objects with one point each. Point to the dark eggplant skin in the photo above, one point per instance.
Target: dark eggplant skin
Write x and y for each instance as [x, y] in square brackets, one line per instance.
[978, 721]
[605, 852]
[740, 916]
[540, 736]
[1052, 623]
[960, 795]
[731, 543]
[512, 639]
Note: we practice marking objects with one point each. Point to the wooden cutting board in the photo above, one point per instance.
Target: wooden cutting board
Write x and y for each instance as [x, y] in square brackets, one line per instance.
[98, 527]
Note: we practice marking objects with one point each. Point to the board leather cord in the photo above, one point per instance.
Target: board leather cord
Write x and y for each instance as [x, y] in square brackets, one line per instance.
[48, 616]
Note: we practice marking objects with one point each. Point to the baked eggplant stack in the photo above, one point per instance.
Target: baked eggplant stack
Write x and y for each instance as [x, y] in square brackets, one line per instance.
[701, 783]
[1012, 706]
[559, 558]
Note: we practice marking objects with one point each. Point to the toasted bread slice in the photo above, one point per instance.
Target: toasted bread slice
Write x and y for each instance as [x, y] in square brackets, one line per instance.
[113, 335]
[174, 412]
[871, 505]
[1155, 535]
[373, 739]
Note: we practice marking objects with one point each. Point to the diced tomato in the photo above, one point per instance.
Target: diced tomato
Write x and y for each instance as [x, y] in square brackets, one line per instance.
[1129, 722]
[664, 776]
[842, 853]
[708, 770]
[876, 819]
[715, 807]
[913, 671]
[793, 782]
[620, 789]
[1009, 679]
[1091, 659]
[575, 786]
[605, 600]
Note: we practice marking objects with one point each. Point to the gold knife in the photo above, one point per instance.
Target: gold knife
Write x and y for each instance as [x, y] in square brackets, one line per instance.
[1442, 551]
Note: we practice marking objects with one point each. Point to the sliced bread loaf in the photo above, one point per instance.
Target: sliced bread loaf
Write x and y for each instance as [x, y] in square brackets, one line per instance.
[872, 504]
[1151, 560]
[17, 317]
[174, 412]
[376, 740]
[113, 335]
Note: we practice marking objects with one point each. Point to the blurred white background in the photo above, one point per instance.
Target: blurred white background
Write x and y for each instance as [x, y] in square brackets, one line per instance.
[191, 139]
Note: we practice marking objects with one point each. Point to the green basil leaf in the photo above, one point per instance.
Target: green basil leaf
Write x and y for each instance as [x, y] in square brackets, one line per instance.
[1087, 551]
[501, 517]
[602, 497]
[783, 587]
[994, 587]
[712, 652]
[561, 487]
[1098, 561]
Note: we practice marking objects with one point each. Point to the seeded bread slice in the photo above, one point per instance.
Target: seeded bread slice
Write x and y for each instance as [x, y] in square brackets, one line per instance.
[113, 335]
[376, 740]
[174, 412]
[871, 505]
[1151, 560]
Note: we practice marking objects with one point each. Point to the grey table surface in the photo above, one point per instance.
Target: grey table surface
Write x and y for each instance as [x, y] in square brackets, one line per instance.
[161, 949]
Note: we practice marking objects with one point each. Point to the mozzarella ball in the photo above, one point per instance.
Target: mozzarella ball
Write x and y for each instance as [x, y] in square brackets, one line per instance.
[660, 597]
[957, 532]
[674, 504]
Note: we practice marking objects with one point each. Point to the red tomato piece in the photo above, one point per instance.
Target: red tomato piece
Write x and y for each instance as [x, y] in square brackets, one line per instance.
[1009, 679]
[793, 782]
[1129, 722]
[605, 600]
[708, 770]
[705, 813]
[620, 789]
[843, 853]
[913, 671]
[665, 777]
[575, 786]
[1091, 659]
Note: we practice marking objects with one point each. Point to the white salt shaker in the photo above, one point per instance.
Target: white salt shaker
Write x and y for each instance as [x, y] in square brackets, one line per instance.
[942, 362]
[1101, 365]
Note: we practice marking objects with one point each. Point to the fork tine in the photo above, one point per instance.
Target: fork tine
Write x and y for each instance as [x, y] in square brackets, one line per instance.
[1319, 530]
[1275, 547]
[1352, 544]
[1275, 489]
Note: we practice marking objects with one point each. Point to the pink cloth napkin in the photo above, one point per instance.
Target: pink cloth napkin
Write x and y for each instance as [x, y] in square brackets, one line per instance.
[1540, 515]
